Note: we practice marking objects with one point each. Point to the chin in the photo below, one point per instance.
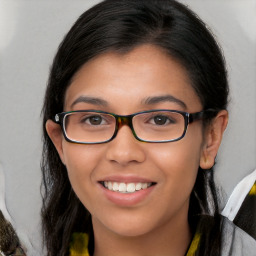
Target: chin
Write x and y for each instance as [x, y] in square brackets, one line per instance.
[126, 227]
[129, 231]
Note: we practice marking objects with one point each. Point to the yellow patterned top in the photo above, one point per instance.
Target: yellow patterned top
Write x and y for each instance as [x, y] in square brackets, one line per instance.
[79, 245]
[253, 190]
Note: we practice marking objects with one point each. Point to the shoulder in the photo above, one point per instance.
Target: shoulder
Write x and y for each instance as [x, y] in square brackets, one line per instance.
[235, 241]
[239, 221]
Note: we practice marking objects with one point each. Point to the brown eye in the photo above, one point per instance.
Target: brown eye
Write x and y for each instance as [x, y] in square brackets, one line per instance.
[160, 120]
[95, 120]
[92, 120]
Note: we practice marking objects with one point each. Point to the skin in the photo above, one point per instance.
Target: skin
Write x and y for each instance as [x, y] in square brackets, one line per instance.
[156, 225]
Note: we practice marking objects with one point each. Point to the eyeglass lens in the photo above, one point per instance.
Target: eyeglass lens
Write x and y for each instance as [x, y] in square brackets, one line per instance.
[94, 127]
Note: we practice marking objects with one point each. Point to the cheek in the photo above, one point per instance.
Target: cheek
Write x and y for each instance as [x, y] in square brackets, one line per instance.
[179, 163]
[81, 161]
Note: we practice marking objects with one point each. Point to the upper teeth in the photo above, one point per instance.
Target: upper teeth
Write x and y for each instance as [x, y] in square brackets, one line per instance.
[126, 187]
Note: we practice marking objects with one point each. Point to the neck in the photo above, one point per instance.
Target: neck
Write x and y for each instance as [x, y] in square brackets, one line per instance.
[171, 238]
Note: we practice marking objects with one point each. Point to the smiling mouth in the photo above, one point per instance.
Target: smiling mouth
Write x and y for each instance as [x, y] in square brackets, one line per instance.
[122, 187]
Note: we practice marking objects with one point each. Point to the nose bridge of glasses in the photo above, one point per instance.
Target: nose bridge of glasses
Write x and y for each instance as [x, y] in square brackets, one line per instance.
[125, 120]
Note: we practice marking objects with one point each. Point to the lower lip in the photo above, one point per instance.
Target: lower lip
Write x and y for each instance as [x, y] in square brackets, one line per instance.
[127, 199]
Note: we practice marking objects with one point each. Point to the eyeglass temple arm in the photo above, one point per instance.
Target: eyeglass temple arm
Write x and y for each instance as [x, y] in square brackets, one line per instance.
[208, 113]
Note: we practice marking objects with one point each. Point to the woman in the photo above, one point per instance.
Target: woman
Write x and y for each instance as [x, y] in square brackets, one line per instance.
[134, 114]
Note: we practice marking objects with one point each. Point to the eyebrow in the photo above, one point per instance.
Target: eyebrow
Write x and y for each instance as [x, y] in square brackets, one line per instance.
[164, 98]
[148, 101]
[90, 100]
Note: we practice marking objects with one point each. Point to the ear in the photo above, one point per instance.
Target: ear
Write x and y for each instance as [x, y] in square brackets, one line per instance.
[212, 139]
[55, 133]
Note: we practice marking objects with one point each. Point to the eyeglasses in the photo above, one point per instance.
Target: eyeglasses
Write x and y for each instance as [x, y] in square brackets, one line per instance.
[95, 127]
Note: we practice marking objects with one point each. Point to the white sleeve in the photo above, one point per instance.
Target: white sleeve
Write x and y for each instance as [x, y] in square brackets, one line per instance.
[238, 195]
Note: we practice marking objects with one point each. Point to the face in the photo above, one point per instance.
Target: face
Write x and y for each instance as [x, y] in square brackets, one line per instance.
[122, 84]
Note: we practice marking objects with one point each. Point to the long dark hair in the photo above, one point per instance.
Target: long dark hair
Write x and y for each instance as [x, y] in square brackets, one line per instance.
[121, 25]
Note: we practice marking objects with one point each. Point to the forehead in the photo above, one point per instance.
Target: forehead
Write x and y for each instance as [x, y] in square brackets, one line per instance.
[145, 71]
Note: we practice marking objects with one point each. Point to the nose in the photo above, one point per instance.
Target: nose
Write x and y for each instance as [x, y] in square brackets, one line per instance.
[125, 148]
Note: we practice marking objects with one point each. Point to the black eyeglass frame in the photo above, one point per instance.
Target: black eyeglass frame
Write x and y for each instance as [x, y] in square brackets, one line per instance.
[127, 120]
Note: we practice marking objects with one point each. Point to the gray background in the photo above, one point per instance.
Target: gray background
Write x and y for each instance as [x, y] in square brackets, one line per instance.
[30, 32]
